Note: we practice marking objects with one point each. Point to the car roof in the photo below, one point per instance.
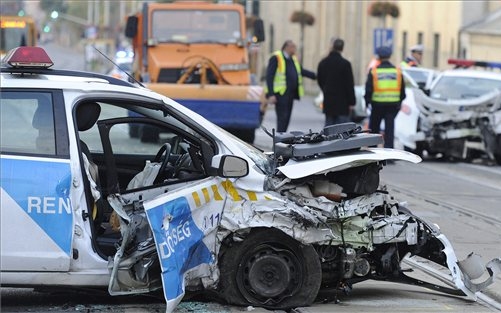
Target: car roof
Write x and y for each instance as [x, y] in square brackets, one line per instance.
[70, 80]
[472, 73]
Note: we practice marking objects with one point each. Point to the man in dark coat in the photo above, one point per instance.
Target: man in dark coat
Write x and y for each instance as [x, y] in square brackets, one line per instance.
[335, 78]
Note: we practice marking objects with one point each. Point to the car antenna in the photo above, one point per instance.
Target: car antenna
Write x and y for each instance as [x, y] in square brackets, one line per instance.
[129, 75]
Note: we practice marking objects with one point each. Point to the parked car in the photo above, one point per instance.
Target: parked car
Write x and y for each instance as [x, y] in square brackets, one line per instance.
[360, 111]
[458, 117]
[85, 205]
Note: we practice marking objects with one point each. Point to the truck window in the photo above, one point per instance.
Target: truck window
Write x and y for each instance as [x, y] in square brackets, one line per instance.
[27, 123]
[196, 26]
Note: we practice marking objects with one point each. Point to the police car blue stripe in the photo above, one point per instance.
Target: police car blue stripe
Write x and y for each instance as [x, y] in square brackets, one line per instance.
[42, 189]
[179, 243]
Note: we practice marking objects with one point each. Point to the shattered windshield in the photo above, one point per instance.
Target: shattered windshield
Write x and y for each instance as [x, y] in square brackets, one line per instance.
[196, 26]
[450, 87]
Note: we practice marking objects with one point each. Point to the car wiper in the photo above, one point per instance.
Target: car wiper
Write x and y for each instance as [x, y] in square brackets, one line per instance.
[469, 96]
[174, 41]
[211, 41]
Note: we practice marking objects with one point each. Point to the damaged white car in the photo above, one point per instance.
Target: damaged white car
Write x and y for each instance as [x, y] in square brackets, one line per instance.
[459, 117]
[85, 205]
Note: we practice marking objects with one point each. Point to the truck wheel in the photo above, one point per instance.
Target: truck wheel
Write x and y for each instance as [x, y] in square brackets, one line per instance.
[149, 134]
[269, 269]
[246, 134]
[134, 131]
[419, 149]
[497, 154]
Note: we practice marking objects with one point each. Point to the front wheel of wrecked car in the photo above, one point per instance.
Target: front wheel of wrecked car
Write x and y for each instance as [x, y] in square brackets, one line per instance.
[271, 270]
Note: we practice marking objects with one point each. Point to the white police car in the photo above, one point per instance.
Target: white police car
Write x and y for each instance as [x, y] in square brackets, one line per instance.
[83, 204]
[459, 116]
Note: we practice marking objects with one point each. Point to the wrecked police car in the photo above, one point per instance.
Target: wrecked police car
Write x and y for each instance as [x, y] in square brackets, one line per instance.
[85, 205]
[459, 116]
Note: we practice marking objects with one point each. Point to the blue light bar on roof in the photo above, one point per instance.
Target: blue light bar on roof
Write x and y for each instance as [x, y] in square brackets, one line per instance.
[468, 63]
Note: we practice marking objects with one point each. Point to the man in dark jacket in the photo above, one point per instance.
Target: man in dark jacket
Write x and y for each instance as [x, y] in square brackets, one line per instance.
[335, 78]
[284, 82]
[384, 91]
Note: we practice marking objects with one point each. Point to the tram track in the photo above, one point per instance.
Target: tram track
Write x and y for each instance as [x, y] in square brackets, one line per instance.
[474, 214]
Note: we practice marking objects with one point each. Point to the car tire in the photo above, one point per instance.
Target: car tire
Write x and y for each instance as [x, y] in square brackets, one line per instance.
[269, 269]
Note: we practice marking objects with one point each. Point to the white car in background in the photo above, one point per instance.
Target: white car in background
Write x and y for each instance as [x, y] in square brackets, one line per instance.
[458, 117]
[360, 111]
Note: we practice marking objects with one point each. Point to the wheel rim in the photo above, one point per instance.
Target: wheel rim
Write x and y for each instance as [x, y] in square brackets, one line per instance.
[269, 274]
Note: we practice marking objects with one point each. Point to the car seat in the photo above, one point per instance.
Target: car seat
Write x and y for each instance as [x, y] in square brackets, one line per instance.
[87, 114]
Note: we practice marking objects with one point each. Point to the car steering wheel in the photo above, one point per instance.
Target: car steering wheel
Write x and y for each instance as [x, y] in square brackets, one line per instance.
[165, 149]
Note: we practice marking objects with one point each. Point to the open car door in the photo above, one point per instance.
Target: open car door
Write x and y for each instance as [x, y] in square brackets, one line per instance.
[184, 226]
[170, 241]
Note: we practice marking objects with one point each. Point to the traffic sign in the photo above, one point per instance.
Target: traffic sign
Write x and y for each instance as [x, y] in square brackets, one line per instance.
[383, 37]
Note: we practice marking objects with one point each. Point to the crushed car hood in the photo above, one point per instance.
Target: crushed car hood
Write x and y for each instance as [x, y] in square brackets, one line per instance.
[295, 169]
[486, 103]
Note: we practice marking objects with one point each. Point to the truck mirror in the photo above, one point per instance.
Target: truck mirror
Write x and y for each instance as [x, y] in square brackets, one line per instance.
[258, 30]
[131, 27]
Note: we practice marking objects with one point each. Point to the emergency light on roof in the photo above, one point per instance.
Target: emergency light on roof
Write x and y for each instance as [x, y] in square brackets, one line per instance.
[32, 57]
[468, 63]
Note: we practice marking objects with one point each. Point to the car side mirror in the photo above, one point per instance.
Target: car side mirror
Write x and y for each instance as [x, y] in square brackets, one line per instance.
[258, 30]
[230, 166]
[131, 27]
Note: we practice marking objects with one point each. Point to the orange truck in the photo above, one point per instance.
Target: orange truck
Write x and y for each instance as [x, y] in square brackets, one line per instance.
[198, 54]
[16, 31]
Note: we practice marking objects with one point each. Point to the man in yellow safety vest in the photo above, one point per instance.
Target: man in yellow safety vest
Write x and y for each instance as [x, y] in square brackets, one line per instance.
[384, 92]
[284, 82]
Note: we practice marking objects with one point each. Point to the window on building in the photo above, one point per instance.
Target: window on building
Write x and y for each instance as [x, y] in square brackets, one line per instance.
[420, 38]
[436, 49]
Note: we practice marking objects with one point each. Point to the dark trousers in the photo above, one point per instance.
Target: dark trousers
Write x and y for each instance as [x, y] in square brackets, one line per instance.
[386, 112]
[283, 109]
[339, 119]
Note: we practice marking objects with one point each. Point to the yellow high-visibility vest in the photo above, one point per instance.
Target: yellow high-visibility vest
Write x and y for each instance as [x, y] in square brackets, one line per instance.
[280, 80]
[387, 83]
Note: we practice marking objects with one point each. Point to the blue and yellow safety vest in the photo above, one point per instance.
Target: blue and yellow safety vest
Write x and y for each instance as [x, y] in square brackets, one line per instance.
[387, 83]
[280, 80]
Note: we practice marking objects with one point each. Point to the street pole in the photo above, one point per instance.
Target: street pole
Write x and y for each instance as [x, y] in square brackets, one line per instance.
[301, 40]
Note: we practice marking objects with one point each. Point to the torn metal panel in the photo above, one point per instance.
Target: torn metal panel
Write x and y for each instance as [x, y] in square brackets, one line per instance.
[297, 169]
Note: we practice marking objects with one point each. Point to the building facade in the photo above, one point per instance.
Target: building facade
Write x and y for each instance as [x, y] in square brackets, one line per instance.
[447, 29]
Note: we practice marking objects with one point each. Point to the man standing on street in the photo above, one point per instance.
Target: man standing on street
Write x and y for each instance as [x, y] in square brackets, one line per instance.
[415, 58]
[284, 82]
[335, 78]
[384, 91]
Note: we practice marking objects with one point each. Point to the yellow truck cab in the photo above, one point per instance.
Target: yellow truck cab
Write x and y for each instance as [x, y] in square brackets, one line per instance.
[197, 53]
